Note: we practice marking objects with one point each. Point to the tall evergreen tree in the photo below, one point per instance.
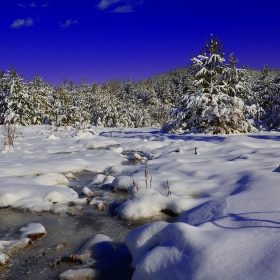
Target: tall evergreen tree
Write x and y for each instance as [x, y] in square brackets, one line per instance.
[208, 107]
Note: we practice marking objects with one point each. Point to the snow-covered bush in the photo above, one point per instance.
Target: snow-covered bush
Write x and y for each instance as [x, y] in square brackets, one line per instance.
[203, 112]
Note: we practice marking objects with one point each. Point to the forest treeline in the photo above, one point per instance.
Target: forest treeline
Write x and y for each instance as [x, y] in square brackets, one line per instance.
[212, 95]
[114, 103]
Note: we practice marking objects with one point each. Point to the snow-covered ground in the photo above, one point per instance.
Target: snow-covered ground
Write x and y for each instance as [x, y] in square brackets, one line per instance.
[226, 196]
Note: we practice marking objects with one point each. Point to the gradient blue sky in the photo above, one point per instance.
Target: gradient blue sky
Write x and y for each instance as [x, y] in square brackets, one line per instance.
[134, 39]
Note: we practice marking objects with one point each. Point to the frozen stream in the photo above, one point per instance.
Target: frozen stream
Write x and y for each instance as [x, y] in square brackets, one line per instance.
[66, 234]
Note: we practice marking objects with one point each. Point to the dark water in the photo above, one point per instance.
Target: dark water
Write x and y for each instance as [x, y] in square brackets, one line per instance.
[70, 230]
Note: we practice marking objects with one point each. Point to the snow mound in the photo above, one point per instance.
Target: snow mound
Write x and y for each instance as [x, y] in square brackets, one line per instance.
[98, 179]
[115, 170]
[84, 135]
[108, 180]
[96, 143]
[14, 245]
[147, 202]
[26, 193]
[118, 150]
[123, 183]
[80, 274]
[52, 179]
[7, 199]
[3, 258]
[181, 251]
[33, 229]
[58, 197]
[98, 246]
[52, 137]
[7, 149]
[69, 175]
[87, 192]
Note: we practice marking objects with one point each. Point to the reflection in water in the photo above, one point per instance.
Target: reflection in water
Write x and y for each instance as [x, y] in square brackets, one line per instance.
[66, 234]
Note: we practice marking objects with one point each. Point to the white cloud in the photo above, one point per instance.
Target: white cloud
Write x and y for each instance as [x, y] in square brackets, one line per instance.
[34, 5]
[124, 9]
[123, 6]
[22, 23]
[104, 4]
[68, 23]
[45, 5]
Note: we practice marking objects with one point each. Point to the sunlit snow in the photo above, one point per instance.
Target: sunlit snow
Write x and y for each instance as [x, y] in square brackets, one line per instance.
[226, 196]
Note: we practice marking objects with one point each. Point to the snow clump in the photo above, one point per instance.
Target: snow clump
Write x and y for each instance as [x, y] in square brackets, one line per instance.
[3, 258]
[80, 274]
[147, 203]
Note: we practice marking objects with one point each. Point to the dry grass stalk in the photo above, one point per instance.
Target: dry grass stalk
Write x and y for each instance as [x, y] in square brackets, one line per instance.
[146, 178]
[134, 183]
[146, 175]
[168, 192]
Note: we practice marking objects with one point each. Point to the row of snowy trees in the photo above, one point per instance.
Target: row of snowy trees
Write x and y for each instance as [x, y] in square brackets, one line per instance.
[113, 104]
[36, 102]
[212, 95]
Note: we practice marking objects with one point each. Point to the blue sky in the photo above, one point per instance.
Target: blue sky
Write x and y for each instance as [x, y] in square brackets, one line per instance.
[107, 39]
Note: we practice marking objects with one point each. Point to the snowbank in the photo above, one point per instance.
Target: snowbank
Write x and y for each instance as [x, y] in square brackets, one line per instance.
[123, 183]
[51, 179]
[181, 251]
[147, 203]
[80, 274]
[98, 246]
[29, 193]
[33, 229]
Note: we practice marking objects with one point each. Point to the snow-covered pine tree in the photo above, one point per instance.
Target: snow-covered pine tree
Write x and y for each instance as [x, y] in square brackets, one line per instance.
[4, 93]
[275, 114]
[15, 102]
[254, 103]
[207, 107]
[237, 79]
[156, 109]
[238, 84]
[64, 111]
[79, 96]
[267, 90]
[104, 104]
[40, 99]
